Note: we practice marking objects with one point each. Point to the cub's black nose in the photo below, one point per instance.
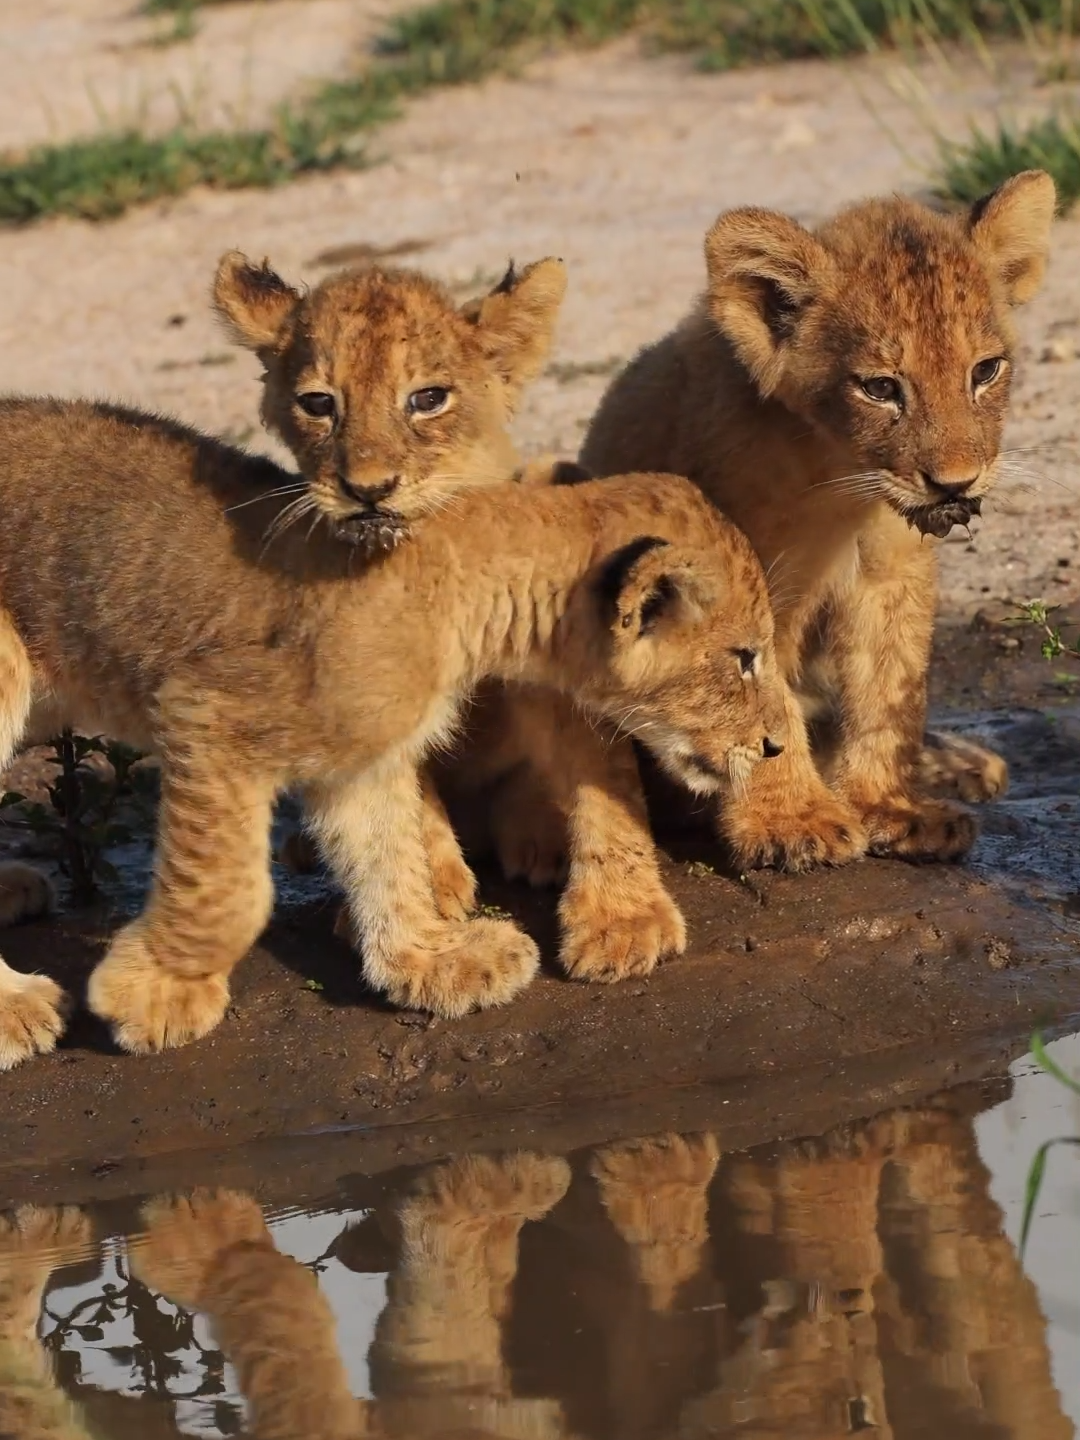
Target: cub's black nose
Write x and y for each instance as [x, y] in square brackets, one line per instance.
[370, 495]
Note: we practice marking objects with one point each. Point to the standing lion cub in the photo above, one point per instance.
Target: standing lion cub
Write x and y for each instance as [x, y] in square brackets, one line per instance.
[252, 667]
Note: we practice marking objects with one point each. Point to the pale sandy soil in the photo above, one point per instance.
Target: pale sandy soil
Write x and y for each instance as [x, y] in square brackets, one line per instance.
[71, 66]
[614, 162]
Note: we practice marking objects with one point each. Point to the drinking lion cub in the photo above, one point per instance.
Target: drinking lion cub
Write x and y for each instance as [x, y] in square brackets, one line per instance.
[251, 668]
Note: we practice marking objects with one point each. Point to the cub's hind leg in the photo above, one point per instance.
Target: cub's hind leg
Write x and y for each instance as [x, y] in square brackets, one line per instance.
[212, 1251]
[371, 831]
[655, 1192]
[453, 881]
[32, 1007]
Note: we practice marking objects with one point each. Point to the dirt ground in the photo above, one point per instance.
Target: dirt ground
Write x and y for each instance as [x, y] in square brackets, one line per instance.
[618, 164]
[838, 994]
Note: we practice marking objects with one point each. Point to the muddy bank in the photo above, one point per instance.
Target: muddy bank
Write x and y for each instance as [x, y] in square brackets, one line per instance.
[803, 1001]
[789, 978]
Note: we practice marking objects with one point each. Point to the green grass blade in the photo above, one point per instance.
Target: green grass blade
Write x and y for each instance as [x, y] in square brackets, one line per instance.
[1038, 1049]
[1032, 1188]
[1033, 1185]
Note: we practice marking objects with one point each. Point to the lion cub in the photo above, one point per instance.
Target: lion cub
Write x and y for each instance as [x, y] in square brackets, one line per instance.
[840, 393]
[253, 668]
[390, 397]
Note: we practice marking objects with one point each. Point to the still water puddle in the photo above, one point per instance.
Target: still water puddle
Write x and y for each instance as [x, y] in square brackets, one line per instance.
[866, 1281]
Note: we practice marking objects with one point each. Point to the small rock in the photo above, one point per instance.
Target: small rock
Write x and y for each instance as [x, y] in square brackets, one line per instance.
[999, 955]
[996, 615]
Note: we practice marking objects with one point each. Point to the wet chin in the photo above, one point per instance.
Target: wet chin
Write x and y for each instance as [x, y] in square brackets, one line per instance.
[373, 534]
[938, 520]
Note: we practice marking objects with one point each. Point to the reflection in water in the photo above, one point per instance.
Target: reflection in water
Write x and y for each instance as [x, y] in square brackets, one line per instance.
[658, 1288]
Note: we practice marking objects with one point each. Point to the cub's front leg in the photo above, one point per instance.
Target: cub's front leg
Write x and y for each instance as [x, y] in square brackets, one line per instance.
[572, 803]
[165, 978]
[787, 816]
[371, 830]
[880, 632]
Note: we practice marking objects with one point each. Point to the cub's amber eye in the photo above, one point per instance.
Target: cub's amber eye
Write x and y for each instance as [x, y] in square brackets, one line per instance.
[317, 403]
[985, 371]
[429, 401]
[885, 389]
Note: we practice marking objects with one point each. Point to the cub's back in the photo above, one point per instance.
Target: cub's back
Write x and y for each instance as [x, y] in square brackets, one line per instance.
[116, 524]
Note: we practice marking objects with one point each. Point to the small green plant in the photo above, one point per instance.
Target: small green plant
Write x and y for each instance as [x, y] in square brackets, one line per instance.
[699, 869]
[82, 820]
[105, 175]
[182, 27]
[1037, 1172]
[1054, 644]
[979, 164]
[494, 912]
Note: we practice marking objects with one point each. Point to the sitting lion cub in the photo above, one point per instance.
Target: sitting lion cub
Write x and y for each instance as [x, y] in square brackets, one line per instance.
[252, 667]
[863, 370]
[840, 394]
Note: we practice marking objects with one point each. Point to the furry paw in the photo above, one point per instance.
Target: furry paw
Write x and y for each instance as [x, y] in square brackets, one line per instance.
[608, 938]
[521, 1186]
[33, 1011]
[148, 1007]
[471, 965]
[529, 833]
[45, 1235]
[655, 1193]
[645, 1184]
[920, 829]
[823, 831]
[25, 893]
[186, 1236]
[951, 767]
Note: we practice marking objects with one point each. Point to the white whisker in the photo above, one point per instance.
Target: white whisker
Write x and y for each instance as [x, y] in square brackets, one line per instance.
[268, 495]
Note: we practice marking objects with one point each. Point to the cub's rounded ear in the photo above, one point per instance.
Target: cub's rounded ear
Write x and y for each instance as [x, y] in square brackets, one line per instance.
[253, 301]
[647, 585]
[1011, 229]
[763, 269]
[516, 321]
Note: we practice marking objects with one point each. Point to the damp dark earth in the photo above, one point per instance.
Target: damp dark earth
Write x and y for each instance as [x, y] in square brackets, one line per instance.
[775, 1190]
